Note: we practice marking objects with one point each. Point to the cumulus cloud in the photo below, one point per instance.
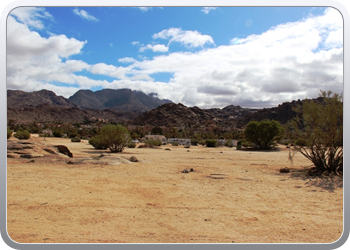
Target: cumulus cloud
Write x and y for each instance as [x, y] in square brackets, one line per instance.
[31, 16]
[206, 10]
[83, 14]
[288, 62]
[187, 37]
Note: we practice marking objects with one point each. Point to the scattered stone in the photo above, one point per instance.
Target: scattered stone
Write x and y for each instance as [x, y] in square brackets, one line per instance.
[102, 155]
[31, 161]
[133, 159]
[167, 149]
[284, 170]
[64, 150]
[10, 156]
[188, 151]
[70, 162]
[187, 170]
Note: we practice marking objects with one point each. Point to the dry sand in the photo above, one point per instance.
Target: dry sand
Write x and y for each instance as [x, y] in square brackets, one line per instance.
[232, 196]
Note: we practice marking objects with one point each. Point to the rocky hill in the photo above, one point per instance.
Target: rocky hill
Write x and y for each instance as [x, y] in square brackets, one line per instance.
[119, 99]
[54, 113]
[282, 113]
[17, 99]
[173, 115]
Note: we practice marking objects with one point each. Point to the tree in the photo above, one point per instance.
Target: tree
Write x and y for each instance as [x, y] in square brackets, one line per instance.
[114, 137]
[263, 133]
[320, 127]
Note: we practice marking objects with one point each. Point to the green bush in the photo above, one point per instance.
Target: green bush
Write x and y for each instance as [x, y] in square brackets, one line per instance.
[247, 144]
[9, 132]
[263, 133]
[174, 143]
[114, 137]
[131, 145]
[98, 142]
[22, 134]
[76, 139]
[229, 143]
[194, 142]
[57, 133]
[211, 143]
[153, 142]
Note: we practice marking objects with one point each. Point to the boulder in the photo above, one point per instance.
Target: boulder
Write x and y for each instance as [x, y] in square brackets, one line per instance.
[133, 159]
[64, 150]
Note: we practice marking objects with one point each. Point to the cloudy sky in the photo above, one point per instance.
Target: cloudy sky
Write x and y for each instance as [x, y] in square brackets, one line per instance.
[254, 57]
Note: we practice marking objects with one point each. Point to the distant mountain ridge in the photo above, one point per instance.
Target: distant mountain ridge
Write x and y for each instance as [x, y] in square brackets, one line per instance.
[118, 99]
[18, 99]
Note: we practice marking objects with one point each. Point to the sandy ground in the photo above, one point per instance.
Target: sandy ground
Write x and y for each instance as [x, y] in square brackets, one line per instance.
[231, 197]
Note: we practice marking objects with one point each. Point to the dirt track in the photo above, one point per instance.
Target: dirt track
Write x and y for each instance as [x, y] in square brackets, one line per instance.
[232, 196]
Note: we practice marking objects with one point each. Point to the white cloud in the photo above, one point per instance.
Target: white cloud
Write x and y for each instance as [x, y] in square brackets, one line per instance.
[83, 14]
[126, 60]
[155, 48]
[288, 62]
[187, 37]
[109, 70]
[206, 10]
[31, 16]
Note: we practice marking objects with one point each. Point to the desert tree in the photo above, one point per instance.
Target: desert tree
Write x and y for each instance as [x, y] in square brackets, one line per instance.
[263, 133]
[318, 127]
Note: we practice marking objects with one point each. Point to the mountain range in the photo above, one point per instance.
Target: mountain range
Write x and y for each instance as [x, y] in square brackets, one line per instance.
[133, 108]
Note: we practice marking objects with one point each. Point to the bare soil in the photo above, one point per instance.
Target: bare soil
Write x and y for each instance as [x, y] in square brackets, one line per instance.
[231, 196]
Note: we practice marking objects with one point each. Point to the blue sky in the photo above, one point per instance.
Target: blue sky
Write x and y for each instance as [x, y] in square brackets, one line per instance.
[248, 56]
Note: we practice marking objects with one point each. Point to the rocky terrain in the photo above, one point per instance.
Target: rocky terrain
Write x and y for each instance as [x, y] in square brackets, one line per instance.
[133, 108]
[173, 115]
[17, 99]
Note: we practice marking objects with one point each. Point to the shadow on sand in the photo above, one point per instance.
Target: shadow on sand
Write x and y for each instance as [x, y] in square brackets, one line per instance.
[313, 178]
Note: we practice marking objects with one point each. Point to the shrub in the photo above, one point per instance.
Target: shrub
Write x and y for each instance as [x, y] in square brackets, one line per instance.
[318, 128]
[153, 142]
[57, 133]
[247, 144]
[9, 132]
[210, 143]
[174, 143]
[76, 139]
[22, 134]
[263, 133]
[229, 143]
[131, 145]
[194, 142]
[98, 142]
[114, 137]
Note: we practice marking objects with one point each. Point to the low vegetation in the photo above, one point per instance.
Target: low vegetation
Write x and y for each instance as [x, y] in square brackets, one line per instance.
[113, 137]
[318, 129]
[22, 134]
[263, 133]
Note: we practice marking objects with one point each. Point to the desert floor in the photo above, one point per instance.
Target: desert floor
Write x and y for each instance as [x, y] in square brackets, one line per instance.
[232, 196]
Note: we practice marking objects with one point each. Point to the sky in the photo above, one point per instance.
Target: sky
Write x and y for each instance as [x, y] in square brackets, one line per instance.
[254, 57]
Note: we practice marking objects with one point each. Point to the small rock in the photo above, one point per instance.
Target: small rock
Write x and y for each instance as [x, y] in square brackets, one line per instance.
[10, 156]
[188, 151]
[284, 170]
[187, 170]
[31, 161]
[27, 156]
[70, 162]
[167, 149]
[133, 159]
